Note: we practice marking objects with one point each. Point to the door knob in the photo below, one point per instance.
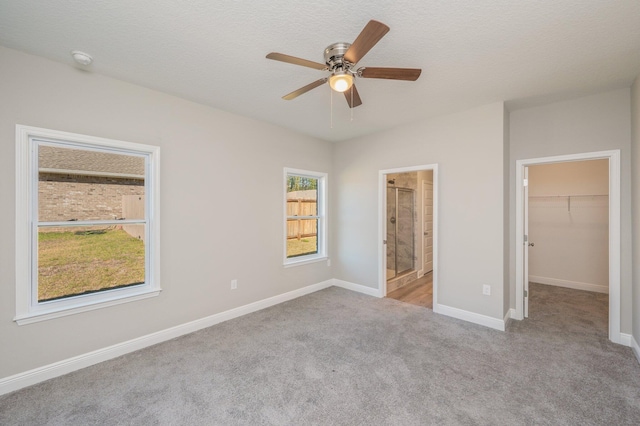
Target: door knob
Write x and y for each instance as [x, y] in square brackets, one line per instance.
[426, 233]
[392, 220]
[531, 244]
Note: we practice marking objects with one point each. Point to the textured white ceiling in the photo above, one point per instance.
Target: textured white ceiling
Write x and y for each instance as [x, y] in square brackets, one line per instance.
[471, 52]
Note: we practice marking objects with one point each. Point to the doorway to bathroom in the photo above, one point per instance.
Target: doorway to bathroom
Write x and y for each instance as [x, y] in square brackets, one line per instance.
[408, 224]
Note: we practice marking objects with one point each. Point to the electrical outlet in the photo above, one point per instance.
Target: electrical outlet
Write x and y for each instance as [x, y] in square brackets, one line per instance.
[486, 290]
[234, 284]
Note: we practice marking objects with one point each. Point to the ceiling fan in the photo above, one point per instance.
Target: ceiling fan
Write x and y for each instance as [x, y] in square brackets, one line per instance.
[340, 60]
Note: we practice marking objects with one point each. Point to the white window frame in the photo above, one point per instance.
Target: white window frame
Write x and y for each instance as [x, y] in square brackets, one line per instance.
[322, 218]
[28, 309]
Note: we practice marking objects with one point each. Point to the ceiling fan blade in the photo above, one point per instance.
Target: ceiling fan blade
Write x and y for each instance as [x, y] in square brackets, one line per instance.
[368, 37]
[304, 89]
[410, 74]
[356, 97]
[296, 61]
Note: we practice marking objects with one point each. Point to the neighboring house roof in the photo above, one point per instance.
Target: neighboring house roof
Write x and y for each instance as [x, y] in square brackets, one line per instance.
[93, 163]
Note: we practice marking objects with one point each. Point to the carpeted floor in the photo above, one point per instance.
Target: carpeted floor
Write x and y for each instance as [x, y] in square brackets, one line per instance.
[337, 357]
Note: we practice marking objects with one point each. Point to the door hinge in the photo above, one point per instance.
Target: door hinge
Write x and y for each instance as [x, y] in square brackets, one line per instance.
[525, 182]
[384, 241]
[526, 238]
[526, 293]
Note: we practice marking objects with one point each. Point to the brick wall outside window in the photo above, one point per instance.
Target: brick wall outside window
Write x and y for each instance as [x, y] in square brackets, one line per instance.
[64, 197]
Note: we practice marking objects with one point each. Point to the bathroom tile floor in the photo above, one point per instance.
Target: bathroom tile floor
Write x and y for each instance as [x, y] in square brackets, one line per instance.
[418, 292]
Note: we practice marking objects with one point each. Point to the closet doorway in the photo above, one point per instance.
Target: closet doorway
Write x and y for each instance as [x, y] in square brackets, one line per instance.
[576, 222]
[569, 225]
[408, 228]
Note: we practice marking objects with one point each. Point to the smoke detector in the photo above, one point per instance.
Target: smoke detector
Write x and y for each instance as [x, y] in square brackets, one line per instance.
[81, 57]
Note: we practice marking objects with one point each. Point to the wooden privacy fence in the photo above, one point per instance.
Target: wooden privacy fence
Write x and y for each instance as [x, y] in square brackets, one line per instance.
[301, 228]
[133, 208]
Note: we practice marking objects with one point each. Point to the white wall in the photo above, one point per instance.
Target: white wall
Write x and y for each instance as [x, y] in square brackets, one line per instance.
[468, 148]
[508, 226]
[593, 123]
[221, 194]
[635, 179]
[571, 235]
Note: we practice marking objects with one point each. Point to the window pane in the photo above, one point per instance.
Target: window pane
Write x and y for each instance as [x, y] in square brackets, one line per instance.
[302, 237]
[86, 259]
[302, 196]
[77, 184]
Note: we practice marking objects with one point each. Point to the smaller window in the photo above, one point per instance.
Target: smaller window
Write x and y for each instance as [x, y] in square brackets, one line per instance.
[305, 216]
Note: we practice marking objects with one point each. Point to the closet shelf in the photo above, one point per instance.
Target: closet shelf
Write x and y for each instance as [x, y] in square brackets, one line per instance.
[565, 196]
[568, 197]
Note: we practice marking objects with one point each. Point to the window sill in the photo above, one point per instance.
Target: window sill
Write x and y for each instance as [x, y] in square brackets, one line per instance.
[304, 261]
[45, 315]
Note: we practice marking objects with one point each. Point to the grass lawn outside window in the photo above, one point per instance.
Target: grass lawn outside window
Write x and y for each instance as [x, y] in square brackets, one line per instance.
[77, 262]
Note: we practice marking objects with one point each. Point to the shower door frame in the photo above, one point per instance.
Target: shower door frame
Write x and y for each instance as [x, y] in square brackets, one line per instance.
[382, 226]
[397, 190]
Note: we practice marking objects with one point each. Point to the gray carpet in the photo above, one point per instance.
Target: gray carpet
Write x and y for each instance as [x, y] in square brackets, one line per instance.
[341, 358]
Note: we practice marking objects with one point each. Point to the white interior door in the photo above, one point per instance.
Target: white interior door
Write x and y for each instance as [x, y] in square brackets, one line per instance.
[427, 226]
[525, 263]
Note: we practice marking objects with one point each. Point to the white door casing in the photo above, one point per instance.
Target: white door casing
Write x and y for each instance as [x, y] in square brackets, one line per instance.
[614, 233]
[525, 212]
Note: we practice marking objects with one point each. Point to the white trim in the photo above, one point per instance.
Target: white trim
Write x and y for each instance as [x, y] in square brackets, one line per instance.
[487, 321]
[36, 375]
[382, 223]
[508, 315]
[23, 225]
[598, 288]
[117, 299]
[357, 287]
[635, 347]
[625, 339]
[614, 231]
[305, 260]
[28, 310]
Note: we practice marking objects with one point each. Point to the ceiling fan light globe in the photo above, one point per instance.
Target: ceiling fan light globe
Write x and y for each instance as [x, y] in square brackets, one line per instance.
[341, 82]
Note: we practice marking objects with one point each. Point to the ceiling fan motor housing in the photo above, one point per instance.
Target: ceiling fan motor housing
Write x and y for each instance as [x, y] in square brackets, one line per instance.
[334, 57]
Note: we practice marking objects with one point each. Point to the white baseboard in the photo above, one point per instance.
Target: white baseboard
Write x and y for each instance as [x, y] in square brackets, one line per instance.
[357, 287]
[511, 313]
[598, 288]
[473, 317]
[623, 339]
[40, 374]
[636, 348]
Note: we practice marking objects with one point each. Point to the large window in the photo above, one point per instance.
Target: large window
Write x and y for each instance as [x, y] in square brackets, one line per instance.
[305, 210]
[87, 223]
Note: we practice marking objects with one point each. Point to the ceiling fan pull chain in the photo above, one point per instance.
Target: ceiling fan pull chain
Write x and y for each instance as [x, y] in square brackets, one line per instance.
[331, 108]
[351, 109]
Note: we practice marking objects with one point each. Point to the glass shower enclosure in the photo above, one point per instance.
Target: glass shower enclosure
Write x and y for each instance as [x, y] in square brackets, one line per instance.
[400, 231]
